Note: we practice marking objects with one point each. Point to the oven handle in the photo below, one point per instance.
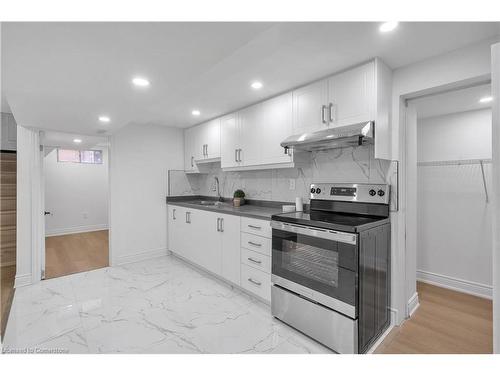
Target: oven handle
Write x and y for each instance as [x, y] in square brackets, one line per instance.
[348, 238]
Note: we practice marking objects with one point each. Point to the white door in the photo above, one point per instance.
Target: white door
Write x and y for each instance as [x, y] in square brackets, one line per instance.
[351, 96]
[230, 234]
[310, 108]
[276, 126]
[251, 134]
[212, 139]
[229, 138]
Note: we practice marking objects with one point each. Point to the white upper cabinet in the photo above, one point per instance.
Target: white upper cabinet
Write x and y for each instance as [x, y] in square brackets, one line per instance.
[251, 135]
[310, 108]
[276, 126]
[230, 141]
[190, 142]
[352, 97]
[211, 135]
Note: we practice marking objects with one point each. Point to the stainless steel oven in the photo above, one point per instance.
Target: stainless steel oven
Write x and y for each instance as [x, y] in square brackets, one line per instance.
[316, 263]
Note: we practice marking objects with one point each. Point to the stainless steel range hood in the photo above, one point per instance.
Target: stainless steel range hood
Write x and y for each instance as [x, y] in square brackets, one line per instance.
[343, 136]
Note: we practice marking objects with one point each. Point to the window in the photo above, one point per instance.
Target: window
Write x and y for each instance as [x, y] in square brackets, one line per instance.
[77, 156]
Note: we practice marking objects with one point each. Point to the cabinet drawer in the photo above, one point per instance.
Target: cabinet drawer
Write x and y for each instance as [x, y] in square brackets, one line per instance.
[256, 226]
[256, 260]
[257, 282]
[256, 243]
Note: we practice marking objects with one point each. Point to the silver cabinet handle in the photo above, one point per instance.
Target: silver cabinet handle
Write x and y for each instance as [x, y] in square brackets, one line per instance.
[239, 155]
[254, 227]
[254, 261]
[218, 224]
[173, 214]
[222, 224]
[188, 217]
[323, 117]
[254, 282]
[330, 112]
[236, 155]
[206, 150]
[254, 244]
[192, 159]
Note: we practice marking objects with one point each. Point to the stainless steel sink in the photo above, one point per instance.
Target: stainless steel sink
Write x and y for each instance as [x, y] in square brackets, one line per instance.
[208, 203]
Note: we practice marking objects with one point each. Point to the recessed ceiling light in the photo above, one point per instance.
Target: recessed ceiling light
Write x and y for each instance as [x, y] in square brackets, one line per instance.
[77, 140]
[256, 85]
[195, 112]
[486, 99]
[388, 26]
[104, 119]
[140, 82]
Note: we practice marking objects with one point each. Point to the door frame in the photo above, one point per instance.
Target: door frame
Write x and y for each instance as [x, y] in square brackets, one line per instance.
[38, 228]
[406, 269]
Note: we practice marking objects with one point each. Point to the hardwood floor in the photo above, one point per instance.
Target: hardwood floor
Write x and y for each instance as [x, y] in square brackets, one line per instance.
[7, 276]
[74, 253]
[447, 322]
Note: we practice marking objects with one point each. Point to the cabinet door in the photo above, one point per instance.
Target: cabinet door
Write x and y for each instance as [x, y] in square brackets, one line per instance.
[175, 228]
[309, 107]
[206, 247]
[198, 141]
[251, 135]
[230, 136]
[211, 138]
[352, 96]
[230, 248]
[276, 126]
[189, 145]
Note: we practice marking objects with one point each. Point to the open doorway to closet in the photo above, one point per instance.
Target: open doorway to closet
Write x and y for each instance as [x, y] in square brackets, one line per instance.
[75, 174]
[449, 228]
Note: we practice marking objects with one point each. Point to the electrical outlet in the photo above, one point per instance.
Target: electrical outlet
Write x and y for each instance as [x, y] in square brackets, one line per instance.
[291, 182]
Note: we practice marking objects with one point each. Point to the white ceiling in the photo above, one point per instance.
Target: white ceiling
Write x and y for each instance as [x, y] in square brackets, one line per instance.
[453, 102]
[62, 76]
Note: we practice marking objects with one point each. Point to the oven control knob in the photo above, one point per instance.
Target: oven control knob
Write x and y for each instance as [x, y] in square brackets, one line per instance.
[318, 190]
[372, 192]
[381, 193]
[313, 190]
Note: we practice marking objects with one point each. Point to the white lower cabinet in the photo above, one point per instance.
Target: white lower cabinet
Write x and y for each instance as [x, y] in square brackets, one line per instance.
[205, 238]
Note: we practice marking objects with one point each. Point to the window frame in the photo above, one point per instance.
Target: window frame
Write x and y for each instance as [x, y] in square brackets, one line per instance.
[80, 157]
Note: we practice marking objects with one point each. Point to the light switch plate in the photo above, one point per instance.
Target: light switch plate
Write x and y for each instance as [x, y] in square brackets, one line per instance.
[291, 182]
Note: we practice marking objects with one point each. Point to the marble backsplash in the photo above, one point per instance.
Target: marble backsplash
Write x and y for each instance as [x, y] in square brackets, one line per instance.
[352, 164]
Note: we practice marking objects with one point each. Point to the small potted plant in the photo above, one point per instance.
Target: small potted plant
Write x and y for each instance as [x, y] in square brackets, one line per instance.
[238, 198]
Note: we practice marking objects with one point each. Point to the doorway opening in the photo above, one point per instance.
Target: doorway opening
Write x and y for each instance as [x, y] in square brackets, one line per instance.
[76, 201]
[449, 223]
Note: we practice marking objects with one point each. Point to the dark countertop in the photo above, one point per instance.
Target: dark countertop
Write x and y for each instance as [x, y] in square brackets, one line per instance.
[256, 209]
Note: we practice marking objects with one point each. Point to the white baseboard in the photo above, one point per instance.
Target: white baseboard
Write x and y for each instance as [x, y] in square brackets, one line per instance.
[413, 304]
[379, 341]
[79, 229]
[139, 256]
[22, 280]
[459, 285]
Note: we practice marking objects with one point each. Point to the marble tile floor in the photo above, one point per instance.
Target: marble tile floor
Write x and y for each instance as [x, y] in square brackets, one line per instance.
[161, 305]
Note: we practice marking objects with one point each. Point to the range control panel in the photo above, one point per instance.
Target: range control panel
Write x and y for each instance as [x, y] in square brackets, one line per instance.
[369, 193]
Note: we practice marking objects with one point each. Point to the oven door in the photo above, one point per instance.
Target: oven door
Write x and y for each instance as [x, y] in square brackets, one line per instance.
[318, 264]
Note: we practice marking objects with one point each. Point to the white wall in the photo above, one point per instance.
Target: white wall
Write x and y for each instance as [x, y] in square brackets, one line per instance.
[458, 136]
[141, 155]
[76, 195]
[454, 219]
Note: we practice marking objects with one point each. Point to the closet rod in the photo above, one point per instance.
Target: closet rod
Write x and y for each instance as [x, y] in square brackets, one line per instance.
[453, 162]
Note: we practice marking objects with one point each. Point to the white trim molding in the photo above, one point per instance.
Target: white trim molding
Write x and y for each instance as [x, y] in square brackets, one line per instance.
[453, 283]
[413, 304]
[140, 256]
[79, 229]
[22, 280]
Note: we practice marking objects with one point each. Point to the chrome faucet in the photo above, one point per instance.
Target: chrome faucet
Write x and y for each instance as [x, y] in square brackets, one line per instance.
[217, 188]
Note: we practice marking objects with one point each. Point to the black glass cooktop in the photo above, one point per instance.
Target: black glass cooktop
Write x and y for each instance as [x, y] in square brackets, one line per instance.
[331, 220]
